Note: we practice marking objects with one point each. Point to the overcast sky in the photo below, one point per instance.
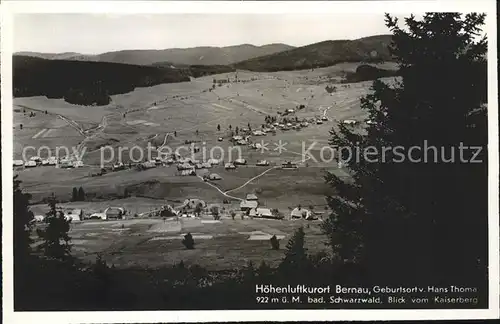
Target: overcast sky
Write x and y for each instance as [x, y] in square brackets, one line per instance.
[93, 34]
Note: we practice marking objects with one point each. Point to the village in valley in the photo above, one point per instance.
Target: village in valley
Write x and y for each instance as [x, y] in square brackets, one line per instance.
[156, 167]
[251, 167]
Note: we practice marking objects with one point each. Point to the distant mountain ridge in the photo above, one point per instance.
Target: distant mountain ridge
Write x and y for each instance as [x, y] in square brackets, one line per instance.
[91, 79]
[59, 56]
[326, 53]
[266, 58]
[205, 55]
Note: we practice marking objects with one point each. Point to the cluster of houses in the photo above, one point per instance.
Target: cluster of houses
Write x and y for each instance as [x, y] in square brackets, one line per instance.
[185, 166]
[36, 161]
[69, 215]
[234, 164]
[78, 214]
[190, 208]
[189, 166]
[250, 206]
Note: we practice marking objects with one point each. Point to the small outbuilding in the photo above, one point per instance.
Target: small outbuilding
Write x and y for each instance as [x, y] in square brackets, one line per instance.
[262, 163]
[74, 215]
[38, 218]
[251, 197]
[115, 212]
[213, 161]
[349, 122]
[289, 166]
[240, 162]
[229, 166]
[18, 163]
[258, 133]
[189, 172]
[300, 212]
[214, 176]
[30, 164]
[98, 216]
[261, 212]
[185, 166]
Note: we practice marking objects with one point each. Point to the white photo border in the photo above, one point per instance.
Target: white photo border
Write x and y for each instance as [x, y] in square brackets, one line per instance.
[9, 8]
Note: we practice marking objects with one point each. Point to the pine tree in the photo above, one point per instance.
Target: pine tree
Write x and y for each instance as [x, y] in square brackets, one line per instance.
[249, 272]
[400, 219]
[101, 272]
[22, 223]
[74, 195]
[126, 193]
[295, 261]
[23, 266]
[81, 194]
[55, 236]
[218, 127]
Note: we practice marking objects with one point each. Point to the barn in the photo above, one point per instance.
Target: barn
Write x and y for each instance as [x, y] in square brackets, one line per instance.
[261, 212]
[74, 215]
[300, 212]
[246, 205]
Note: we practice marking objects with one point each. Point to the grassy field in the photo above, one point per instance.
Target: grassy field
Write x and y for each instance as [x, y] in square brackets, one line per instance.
[218, 245]
[152, 115]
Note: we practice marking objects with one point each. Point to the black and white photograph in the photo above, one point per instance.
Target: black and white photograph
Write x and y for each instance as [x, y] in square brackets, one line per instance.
[311, 158]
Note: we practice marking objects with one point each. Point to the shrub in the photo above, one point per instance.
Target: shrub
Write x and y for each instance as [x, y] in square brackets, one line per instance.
[277, 214]
[215, 212]
[188, 241]
[275, 243]
[264, 270]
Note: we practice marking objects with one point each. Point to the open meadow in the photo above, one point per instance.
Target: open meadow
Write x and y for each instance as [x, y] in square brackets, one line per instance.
[219, 245]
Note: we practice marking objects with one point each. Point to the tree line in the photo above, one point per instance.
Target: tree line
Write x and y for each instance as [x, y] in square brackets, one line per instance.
[85, 83]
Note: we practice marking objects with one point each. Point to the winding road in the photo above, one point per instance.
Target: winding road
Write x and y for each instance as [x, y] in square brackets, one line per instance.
[225, 193]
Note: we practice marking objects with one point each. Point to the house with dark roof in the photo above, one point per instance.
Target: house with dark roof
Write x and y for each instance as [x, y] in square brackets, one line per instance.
[251, 197]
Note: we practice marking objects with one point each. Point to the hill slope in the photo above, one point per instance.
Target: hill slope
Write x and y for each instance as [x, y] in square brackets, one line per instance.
[368, 49]
[186, 56]
[85, 83]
